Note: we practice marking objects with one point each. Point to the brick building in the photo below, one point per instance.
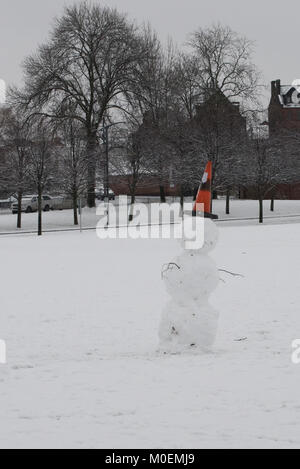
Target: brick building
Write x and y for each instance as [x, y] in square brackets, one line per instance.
[148, 186]
[217, 111]
[284, 108]
[284, 115]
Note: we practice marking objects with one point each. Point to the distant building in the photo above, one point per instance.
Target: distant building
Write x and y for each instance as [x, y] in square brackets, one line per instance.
[284, 107]
[284, 114]
[148, 186]
[217, 109]
[213, 112]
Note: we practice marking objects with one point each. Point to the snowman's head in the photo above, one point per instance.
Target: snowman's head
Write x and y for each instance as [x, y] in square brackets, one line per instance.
[207, 236]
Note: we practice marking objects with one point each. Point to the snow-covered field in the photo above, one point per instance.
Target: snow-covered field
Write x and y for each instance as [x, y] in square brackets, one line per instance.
[64, 219]
[80, 318]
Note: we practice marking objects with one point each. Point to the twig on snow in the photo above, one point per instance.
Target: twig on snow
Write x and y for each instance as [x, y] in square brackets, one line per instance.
[231, 273]
[167, 267]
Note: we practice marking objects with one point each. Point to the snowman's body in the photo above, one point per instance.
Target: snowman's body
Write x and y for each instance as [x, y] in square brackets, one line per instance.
[188, 320]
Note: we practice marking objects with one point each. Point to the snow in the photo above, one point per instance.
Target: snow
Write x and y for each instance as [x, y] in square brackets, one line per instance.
[80, 318]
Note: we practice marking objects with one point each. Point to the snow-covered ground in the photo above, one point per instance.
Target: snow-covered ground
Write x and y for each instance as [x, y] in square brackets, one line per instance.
[80, 317]
[64, 219]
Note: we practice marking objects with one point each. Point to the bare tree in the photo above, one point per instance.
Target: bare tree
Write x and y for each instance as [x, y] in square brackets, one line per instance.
[73, 163]
[42, 162]
[220, 129]
[187, 84]
[265, 166]
[185, 155]
[225, 62]
[15, 137]
[88, 61]
[128, 159]
[209, 81]
[3, 154]
[151, 98]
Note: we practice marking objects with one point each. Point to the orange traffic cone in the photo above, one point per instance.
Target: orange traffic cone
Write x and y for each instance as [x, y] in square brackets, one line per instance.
[203, 199]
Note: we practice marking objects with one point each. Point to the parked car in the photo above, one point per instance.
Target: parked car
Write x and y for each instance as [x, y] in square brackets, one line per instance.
[65, 202]
[30, 203]
[101, 195]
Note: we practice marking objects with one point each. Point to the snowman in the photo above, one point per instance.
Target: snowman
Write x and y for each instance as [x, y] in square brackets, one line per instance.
[188, 320]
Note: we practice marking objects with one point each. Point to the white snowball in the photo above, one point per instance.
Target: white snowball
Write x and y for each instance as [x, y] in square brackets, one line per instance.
[210, 235]
[191, 276]
[189, 326]
[189, 320]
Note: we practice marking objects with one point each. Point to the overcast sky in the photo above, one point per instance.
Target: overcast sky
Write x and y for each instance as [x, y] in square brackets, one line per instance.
[273, 26]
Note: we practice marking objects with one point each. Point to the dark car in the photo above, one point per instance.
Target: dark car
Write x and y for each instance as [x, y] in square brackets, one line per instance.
[101, 195]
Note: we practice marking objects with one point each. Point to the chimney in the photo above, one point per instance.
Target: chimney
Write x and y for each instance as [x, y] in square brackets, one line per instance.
[276, 88]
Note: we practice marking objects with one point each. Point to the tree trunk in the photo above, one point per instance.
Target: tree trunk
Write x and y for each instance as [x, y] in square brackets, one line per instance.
[75, 208]
[182, 200]
[40, 211]
[132, 202]
[261, 210]
[162, 194]
[91, 176]
[272, 207]
[19, 220]
[228, 202]
[181, 197]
